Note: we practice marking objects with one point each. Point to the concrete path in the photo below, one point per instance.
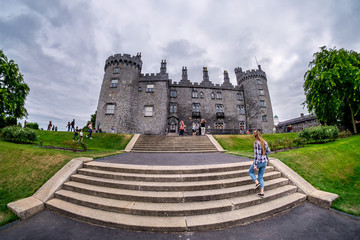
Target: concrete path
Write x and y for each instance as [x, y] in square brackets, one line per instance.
[304, 222]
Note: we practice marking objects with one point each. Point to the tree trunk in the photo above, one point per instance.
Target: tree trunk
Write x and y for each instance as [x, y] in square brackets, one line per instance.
[352, 119]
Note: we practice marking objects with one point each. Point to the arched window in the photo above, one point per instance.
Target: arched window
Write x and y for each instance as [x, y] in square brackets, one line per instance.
[201, 95]
[195, 94]
[218, 95]
[239, 96]
[212, 95]
[173, 93]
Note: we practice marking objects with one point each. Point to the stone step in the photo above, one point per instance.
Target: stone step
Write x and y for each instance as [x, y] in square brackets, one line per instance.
[170, 186]
[166, 177]
[169, 197]
[172, 209]
[188, 169]
[176, 224]
[173, 151]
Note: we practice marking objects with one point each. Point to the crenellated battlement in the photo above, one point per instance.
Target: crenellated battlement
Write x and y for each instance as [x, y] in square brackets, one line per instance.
[154, 76]
[124, 59]
[190, 84]
[244, 75]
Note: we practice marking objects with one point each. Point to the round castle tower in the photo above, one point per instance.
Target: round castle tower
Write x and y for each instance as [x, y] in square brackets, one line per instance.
[117, 102]
[259, 114]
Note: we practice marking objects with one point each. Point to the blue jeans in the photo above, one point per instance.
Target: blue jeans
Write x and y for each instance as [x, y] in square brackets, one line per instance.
[261, 167]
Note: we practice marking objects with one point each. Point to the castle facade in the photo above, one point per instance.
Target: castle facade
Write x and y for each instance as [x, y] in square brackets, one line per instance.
[132, 102]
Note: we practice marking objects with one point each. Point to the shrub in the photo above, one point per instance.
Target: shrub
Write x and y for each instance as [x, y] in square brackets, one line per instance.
[320, 134]
[33, 126]
[83, 146]
[287, 142]
[19, 135]
[345, 134]
[299, 142]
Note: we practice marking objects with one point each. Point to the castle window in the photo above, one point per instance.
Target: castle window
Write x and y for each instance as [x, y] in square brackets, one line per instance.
[196, 107]
[150, 88]
[239, 96]
[219, 108]
[110, 108]
[173, 108]
[173, 93]
[262, 103]
[218, 95]
[116, 69]
[148, 111]
[261, 92]
[201, 95]
[264, 118]
[259, 82]
[242, 125]
[114, 83]
[194, 94]
[241, 110]
[219, 125]
[212, 95]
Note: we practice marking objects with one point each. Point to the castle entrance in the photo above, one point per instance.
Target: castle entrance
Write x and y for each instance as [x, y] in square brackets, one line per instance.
[173, 124]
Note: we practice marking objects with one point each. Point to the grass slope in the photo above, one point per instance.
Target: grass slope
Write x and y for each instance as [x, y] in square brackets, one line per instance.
[25, 168]
[332, 167]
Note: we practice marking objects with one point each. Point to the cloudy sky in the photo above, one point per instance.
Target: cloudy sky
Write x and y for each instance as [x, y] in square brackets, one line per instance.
[61, 46]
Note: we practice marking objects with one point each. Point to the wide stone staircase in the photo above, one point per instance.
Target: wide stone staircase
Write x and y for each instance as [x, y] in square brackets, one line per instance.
[156, 143]
[172, 198]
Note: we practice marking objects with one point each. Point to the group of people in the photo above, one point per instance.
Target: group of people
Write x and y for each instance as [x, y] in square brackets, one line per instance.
[52, 127]
[197, 128]
[71, 126]
[78, 134]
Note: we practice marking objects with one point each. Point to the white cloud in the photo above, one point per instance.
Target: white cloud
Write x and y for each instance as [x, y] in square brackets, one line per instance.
[61, 46]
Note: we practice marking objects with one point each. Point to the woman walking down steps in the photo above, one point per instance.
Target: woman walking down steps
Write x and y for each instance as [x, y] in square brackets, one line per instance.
[261, 150]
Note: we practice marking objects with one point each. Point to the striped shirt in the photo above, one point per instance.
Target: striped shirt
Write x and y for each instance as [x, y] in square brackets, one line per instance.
[258, 158]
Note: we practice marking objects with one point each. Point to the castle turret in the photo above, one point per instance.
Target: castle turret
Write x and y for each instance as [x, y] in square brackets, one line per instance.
[206, 82]
[258, 103]
[117, 103]
[226, 82]
[163, 67]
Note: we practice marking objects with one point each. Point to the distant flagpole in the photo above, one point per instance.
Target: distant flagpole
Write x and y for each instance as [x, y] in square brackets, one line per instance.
[257, 64]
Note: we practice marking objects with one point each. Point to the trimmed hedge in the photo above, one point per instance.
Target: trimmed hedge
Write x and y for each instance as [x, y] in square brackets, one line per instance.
[19, 135]
[32, 125]
[320, 134]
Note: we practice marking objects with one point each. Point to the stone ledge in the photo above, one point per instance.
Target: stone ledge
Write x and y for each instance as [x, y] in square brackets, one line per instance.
[318, 197]
[25, 208]
[215, 143]
[132, 142]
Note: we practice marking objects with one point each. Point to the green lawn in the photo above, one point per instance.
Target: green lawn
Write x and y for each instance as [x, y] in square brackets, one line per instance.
[332, 167]
[24, 168]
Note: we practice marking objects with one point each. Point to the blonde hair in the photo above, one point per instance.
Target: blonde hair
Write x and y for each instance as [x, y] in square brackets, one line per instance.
[258, 137]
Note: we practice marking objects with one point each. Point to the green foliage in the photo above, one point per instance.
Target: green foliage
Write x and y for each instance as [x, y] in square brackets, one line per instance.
[13, 92]
[19, 135]
[32, 125]
[319, 134]
[92, 119]
[332, 86]
[299, 142]
[345, 134]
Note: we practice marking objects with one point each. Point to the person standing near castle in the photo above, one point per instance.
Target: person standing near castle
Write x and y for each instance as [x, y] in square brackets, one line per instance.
[194, 129]
[49, 126]
[81, 135]
[182, 127]
[68, 126]
[76, 134]
[73, 125]
[261, 150]
[202, 127]
[90, 130]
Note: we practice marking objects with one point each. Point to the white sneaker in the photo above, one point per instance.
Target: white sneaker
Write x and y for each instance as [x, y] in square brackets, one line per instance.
[73, 139]
[91, 138]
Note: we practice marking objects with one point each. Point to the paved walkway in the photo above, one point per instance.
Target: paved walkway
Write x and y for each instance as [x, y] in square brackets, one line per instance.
[304, 222]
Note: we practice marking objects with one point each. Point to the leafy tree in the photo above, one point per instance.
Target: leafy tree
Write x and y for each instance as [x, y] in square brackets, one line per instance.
[13, 92]
[332, 86]
[92, 119]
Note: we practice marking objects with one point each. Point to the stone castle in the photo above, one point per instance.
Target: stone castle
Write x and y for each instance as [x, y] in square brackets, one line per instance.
[132, 102]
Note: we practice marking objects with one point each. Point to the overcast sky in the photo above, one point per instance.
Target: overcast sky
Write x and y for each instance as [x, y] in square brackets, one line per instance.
[61, 46]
